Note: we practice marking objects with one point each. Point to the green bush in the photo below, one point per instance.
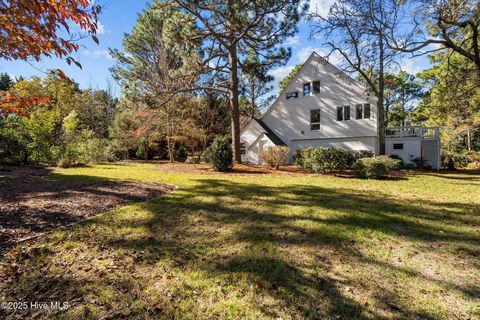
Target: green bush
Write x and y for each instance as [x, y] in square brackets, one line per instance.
[322, 160]
[298, 158]
[374, 168]
[220, 154]
[400, 162]
[452, 160]
[354, 155]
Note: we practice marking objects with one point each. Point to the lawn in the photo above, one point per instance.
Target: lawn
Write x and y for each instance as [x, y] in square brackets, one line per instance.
[253, 245]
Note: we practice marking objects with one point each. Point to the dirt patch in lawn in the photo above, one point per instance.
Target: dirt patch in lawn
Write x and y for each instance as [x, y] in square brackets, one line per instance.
[33, 203]
[238, 169]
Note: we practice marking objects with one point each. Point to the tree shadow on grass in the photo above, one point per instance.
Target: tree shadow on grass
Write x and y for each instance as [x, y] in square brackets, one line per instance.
[285, 241]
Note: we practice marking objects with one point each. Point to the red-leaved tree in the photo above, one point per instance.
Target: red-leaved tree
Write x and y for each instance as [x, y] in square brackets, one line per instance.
[36, 28]
[20, 106]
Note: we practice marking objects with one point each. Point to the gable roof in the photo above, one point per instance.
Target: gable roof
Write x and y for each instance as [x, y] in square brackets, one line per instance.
[270, 134]
[340, 72]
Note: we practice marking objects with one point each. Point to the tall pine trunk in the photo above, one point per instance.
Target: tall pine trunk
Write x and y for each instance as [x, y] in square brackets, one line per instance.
[381, 98]
[234, 105]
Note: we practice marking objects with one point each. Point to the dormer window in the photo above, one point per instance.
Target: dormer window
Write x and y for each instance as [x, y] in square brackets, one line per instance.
[291, 95]
[306, 89]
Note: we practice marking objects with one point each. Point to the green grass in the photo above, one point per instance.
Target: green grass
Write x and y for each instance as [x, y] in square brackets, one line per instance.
[263, 247]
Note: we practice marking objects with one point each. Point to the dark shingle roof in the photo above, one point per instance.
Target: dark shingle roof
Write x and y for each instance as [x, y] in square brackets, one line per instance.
[270, 134]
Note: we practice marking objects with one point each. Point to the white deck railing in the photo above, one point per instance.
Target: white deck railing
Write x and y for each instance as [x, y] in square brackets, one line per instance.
[412, 132]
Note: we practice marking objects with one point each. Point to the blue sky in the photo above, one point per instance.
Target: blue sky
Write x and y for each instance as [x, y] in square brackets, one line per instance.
[119, 17]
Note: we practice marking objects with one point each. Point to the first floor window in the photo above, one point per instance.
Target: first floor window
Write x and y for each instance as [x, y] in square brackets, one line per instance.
[306, 89]
[242, 148]
[291, 95]
[398, 146]
[315, 119]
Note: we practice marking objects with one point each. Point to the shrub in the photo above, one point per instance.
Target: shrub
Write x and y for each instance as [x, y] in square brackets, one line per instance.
[275, 156]
[220, 154]
[354, 155]
[374, 168]
[420, 163]
[298, 158]
[325, 159]
[400, 162]
[452, 160]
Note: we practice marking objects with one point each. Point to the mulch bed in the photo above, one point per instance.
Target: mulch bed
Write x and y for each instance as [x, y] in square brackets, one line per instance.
[32, 203]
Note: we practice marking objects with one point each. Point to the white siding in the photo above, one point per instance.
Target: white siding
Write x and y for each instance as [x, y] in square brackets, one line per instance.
[360, 143]
[255, 140]
[412, 148]
[288, 118]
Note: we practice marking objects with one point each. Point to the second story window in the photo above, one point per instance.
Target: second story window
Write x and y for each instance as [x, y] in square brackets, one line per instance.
[306, 89]
[291, 95]
[362, 111]
[315, 119]
[343, 113]
[316, 87]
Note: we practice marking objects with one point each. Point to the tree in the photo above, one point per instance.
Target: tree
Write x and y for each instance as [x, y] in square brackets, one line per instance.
[446, 24]
[122, 131]
[402, 92]
[255, 86]
[156, 59]
[357, 29]
[452, 102]
[229, 30]
[5, 81]
[285, 81]
[32, 29]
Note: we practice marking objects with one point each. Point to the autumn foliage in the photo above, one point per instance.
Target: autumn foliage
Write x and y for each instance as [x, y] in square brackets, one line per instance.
[20, 106]
[32, 28]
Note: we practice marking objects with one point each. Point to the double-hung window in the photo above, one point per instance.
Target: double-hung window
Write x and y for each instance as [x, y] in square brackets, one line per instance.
[316, 87]
[311, 88]
[362, 111]
[343, 113]
[306, 89]
[315, 119]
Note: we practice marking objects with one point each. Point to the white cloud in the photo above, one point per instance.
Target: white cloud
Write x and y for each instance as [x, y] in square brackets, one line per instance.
[335, 58]
[411, 66]
[320, 7]
[100, 28]
[96, 54]
[281, 72]
[292, 41]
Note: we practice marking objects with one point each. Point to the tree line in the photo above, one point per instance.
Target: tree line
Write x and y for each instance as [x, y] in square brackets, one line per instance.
[192, 70]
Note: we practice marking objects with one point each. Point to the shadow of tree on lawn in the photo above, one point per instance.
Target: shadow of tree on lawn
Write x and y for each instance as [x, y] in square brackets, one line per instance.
[282, 246]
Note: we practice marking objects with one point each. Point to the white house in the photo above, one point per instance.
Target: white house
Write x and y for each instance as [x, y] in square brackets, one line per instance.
[323, 107]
